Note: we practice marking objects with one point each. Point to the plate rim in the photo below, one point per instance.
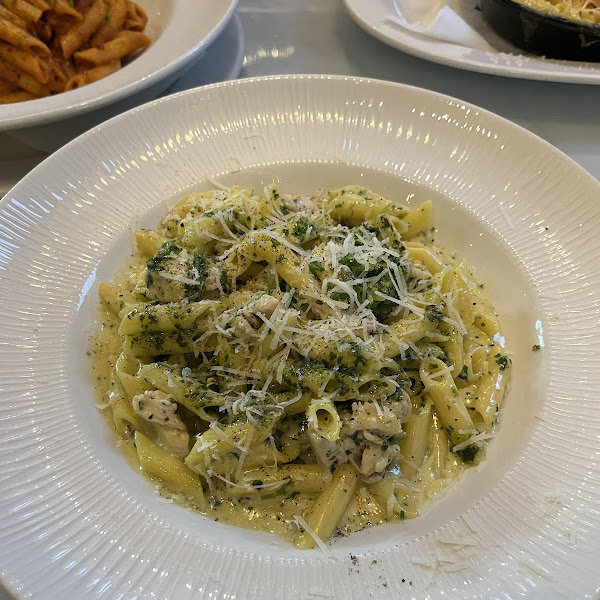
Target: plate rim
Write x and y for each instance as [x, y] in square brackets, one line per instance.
[89, 102]
[366, 81]
[233, 72]
[305, 76]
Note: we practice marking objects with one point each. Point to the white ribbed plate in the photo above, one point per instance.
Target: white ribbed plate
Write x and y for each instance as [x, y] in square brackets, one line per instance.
[77, 522]
[506, 60]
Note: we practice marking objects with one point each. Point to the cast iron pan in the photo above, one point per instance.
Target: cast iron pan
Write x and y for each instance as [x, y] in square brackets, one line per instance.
[540, 33]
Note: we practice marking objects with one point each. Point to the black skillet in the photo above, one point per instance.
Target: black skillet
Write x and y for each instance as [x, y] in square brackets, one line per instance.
[543, 34]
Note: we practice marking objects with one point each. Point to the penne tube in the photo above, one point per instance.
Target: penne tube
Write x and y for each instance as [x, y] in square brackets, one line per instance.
[22, 80]
[454, 348]
[398, 496]
[113, 23]
[124, 44]
[421, 253]
[451, 410]
[20, 96]
[221, 440]
[299, 406]
[127, 369]
[489, 394]
[8, 16]
[354, 205]
[487, 322]
[261, 455]
[186, 390]
[20, 38]
[294, 478]
[417, 219]
[24, 10]
[146, 345]
[136, 17]
[284, 260]
[404, 332]
[414, 446]
[65, 7]
[201, 233]
[87, 77]
[317, 380]
[323, 418]
[112, 296]
[80, 33]
[167, 467]
[126, 421]
[438, 446]
[325, 514]
[148, 242]
[40, 4]
[163, 318]
[25, 61]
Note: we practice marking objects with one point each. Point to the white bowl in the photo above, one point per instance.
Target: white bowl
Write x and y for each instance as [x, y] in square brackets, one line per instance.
[180, 31]
[77, 522]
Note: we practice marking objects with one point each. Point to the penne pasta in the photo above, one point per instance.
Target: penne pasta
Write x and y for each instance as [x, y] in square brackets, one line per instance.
[148, 242]
[355, 205]
[417, 219]
[165, 318]
[7, 16]
[414, 445]
[24, 10]
[53, 46]
[91, 75]
[158, 462]
[11, 33]
[122, 45]
[25, 61]
[22, 80]
[113, 23]
[313, 369]
[136, 18]
[294, 478]
[323, 417]
[80, 33]
[451, 410]
[65, 7]
[329, 507]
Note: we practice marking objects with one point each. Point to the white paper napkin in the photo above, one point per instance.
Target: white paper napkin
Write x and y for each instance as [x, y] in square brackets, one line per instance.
[436, 19]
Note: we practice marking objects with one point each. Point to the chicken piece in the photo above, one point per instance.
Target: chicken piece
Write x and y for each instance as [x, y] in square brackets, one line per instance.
[375, 458]
[263, 304]
[370, 438]
[333, 454]
[240, 327]
[385, 419]
[158, 408]
[215, 286]
[173, 274]
[298, 204]
[246, 321]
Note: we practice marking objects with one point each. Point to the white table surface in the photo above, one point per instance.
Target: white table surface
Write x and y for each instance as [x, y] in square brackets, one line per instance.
[318, 36]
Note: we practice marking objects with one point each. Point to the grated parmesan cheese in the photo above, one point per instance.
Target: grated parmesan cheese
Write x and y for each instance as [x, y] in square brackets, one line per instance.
[320, 543]
[319, 318]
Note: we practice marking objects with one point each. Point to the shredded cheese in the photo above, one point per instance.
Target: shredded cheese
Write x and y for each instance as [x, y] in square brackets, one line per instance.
[320, 543]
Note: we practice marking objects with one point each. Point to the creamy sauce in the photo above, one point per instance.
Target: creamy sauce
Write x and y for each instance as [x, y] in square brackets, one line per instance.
[129, 397]
[276, 515]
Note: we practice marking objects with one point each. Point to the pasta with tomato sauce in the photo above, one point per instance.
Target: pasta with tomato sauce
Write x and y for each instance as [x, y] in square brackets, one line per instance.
[52, 46]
